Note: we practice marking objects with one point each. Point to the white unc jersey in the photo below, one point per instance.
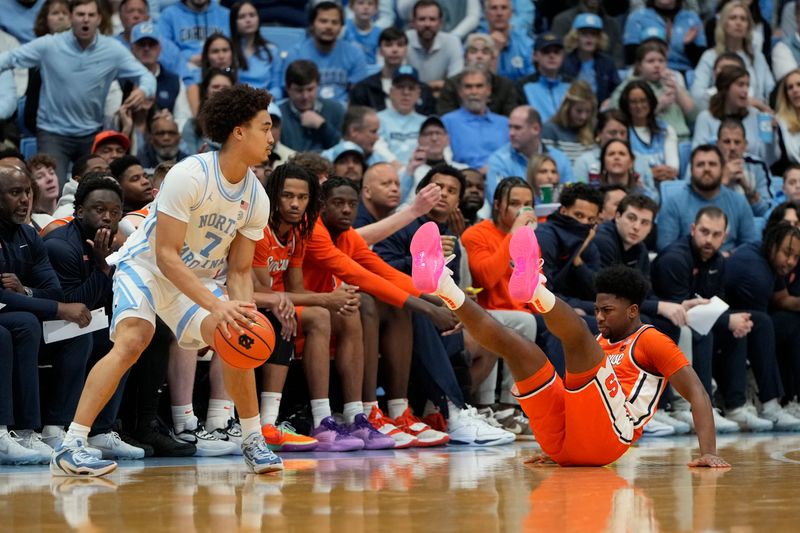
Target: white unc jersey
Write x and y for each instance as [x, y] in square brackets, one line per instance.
[214, 210]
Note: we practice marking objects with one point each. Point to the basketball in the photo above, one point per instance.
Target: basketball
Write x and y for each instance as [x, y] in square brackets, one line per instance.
[249, 349]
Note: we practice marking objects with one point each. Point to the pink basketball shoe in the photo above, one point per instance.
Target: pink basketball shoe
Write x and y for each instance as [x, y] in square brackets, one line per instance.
[524, 250]
[427, 258]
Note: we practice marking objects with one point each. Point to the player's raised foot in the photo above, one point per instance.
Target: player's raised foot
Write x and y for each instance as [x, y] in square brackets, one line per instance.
[72, 459]
[284, 438]
[14, 453]
[427, 258]
[467, 428]
[681, 428]
[748, 420]
[113, 447]
[258, 456]
[524, 251]
[33, 441]
[387, 426]
[424, 434]
[334, 438]
[780, 417]
[206, 444]
[373, 439]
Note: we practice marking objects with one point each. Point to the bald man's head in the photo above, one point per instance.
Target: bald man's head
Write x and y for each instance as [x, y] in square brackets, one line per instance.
[15, 193]
[380, 187]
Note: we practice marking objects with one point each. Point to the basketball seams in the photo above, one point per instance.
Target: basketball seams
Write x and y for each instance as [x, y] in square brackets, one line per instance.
[246, 358]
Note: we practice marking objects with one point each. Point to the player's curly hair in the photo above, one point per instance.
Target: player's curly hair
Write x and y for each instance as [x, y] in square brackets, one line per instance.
[623, 282]
[335, 182]
[274, 187]
[231, 107]
[774, 236]
[94, 181]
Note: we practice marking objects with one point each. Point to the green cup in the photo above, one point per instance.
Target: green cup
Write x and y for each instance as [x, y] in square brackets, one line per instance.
[547, 193]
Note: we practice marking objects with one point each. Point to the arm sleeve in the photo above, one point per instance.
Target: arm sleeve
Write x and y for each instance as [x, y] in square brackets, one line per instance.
[373, 263]
[656, 351]
[671, 157]
[43, 280]
[28, 55]
[747, 226]
[261, 253]
[92, 291]
[457, 58]
[470, 21]
[670, 279]
[668, 225]
[8, 94]
[129, 67]
[42, 308]
[395, 251]
[703, 75]
[488, 262]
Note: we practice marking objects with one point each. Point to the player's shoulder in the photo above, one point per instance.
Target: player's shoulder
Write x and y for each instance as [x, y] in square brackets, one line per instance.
[648, 337]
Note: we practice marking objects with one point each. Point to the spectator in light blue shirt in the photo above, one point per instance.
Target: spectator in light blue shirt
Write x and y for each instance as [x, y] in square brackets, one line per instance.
[18, 18]
[514, 45]
[258, 59]
[475, 132]
[546, 89]
[131, 13]
[681, 201]
[400, 124]
[77, 69]
[511, 159]
[189, 23]
[340, 63]
[361, 31]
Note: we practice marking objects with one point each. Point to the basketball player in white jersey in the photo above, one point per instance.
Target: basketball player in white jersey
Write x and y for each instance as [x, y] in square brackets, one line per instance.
[209, 214]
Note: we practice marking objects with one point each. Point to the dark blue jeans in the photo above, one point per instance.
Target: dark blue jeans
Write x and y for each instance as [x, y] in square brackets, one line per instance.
[69, 359]
[64, 149]
[20, 335]
[431, 363]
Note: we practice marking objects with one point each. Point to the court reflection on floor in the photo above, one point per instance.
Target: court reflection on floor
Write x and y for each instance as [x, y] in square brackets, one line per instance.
[487, 490]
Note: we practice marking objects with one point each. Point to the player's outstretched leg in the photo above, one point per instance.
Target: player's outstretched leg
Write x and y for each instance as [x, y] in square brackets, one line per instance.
[430, 275]
[527, 284]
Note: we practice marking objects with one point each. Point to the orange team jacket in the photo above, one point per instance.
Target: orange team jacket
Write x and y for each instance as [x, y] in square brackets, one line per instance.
[278, 257]
[350, 260]
[490, 264]
[643, 362]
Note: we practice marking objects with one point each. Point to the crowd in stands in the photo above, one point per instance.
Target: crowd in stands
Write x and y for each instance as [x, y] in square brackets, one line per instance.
[659, 134]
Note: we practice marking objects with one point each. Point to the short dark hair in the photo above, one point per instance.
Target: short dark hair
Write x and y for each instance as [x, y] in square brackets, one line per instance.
[573, 192]
[119, 166]
[354, 116]
[638, 201]
[230, 108]
[448, 171]
[426, 3]
[335, 182]
[793, 166]
[81, 164]
[774, 235]
[94, 181]
[704, 148]
[607, 116]
[623, 282]
[75, 3]
[779, 212]
[325, 6]
[274, 187]
[301, 72]
[731, 123]
[313, 162]
[711, 211]
[730, 56]
[392, 34]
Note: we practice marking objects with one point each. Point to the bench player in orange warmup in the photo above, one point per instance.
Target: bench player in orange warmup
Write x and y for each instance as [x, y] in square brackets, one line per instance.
[612, 384]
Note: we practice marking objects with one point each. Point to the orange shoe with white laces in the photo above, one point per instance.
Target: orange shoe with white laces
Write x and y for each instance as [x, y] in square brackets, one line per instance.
[425, 434]
[386, 425]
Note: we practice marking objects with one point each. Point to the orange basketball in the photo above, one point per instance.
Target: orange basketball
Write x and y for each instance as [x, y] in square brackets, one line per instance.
[249, 349]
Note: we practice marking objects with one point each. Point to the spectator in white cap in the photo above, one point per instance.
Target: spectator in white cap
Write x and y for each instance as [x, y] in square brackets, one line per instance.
[348, 160]
[586, 59]
[400, 122]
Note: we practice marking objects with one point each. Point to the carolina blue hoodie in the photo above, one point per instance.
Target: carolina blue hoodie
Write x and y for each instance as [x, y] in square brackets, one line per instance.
[189, 29]
[18, 19]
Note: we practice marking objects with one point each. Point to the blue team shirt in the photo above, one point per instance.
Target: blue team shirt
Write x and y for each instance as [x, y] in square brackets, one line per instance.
[367, 42]
[345, 65]
[188, 29]
[506, 162]
[474, 137]
[18, 20]
[646, 17]
[545, 95]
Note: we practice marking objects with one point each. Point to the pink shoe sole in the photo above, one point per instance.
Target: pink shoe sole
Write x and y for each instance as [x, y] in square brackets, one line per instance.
[524, 250]
[427, 258]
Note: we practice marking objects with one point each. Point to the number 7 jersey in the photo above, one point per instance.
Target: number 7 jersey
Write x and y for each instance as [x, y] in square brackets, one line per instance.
[214, 210]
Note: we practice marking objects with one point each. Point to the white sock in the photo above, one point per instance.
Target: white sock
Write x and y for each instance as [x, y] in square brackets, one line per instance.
[770, 405]
[453, 410]
[3, 430]
[76, 431]
[320, 409]
[397, 407]
[368, 407]
[543, 300]
[270, 407]
[449, 292]
[180, 415]
[250, 426]
[429, 408]
[351, 409]
[219, 412]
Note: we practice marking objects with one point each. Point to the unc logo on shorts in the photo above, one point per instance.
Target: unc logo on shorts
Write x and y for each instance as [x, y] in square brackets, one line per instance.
[246, 342]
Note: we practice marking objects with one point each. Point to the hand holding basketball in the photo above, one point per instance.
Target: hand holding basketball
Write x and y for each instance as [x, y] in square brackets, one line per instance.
[230, 315]
[245, 348]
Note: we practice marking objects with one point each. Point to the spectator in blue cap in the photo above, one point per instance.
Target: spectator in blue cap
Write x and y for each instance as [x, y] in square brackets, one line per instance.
[586, 44]
[545, 90]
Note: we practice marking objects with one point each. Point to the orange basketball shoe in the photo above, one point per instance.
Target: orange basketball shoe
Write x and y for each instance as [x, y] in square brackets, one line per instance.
[285, 439]
[426, 435]
[386, 425]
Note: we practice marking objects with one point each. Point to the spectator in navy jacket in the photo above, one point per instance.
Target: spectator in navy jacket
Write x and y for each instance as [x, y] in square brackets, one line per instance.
[586, 58]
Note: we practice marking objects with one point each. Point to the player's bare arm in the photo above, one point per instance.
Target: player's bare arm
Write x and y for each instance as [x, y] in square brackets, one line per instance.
[687, 384]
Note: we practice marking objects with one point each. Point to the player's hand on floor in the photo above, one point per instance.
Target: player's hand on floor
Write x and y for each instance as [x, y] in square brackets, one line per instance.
[711, 461]
[540, 459]
[233, 314]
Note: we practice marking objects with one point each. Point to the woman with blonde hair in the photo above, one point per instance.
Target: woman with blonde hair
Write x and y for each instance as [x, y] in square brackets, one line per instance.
[788, 116]
[734, 33]
[586, 60]
[543, 171]
[571, 129]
